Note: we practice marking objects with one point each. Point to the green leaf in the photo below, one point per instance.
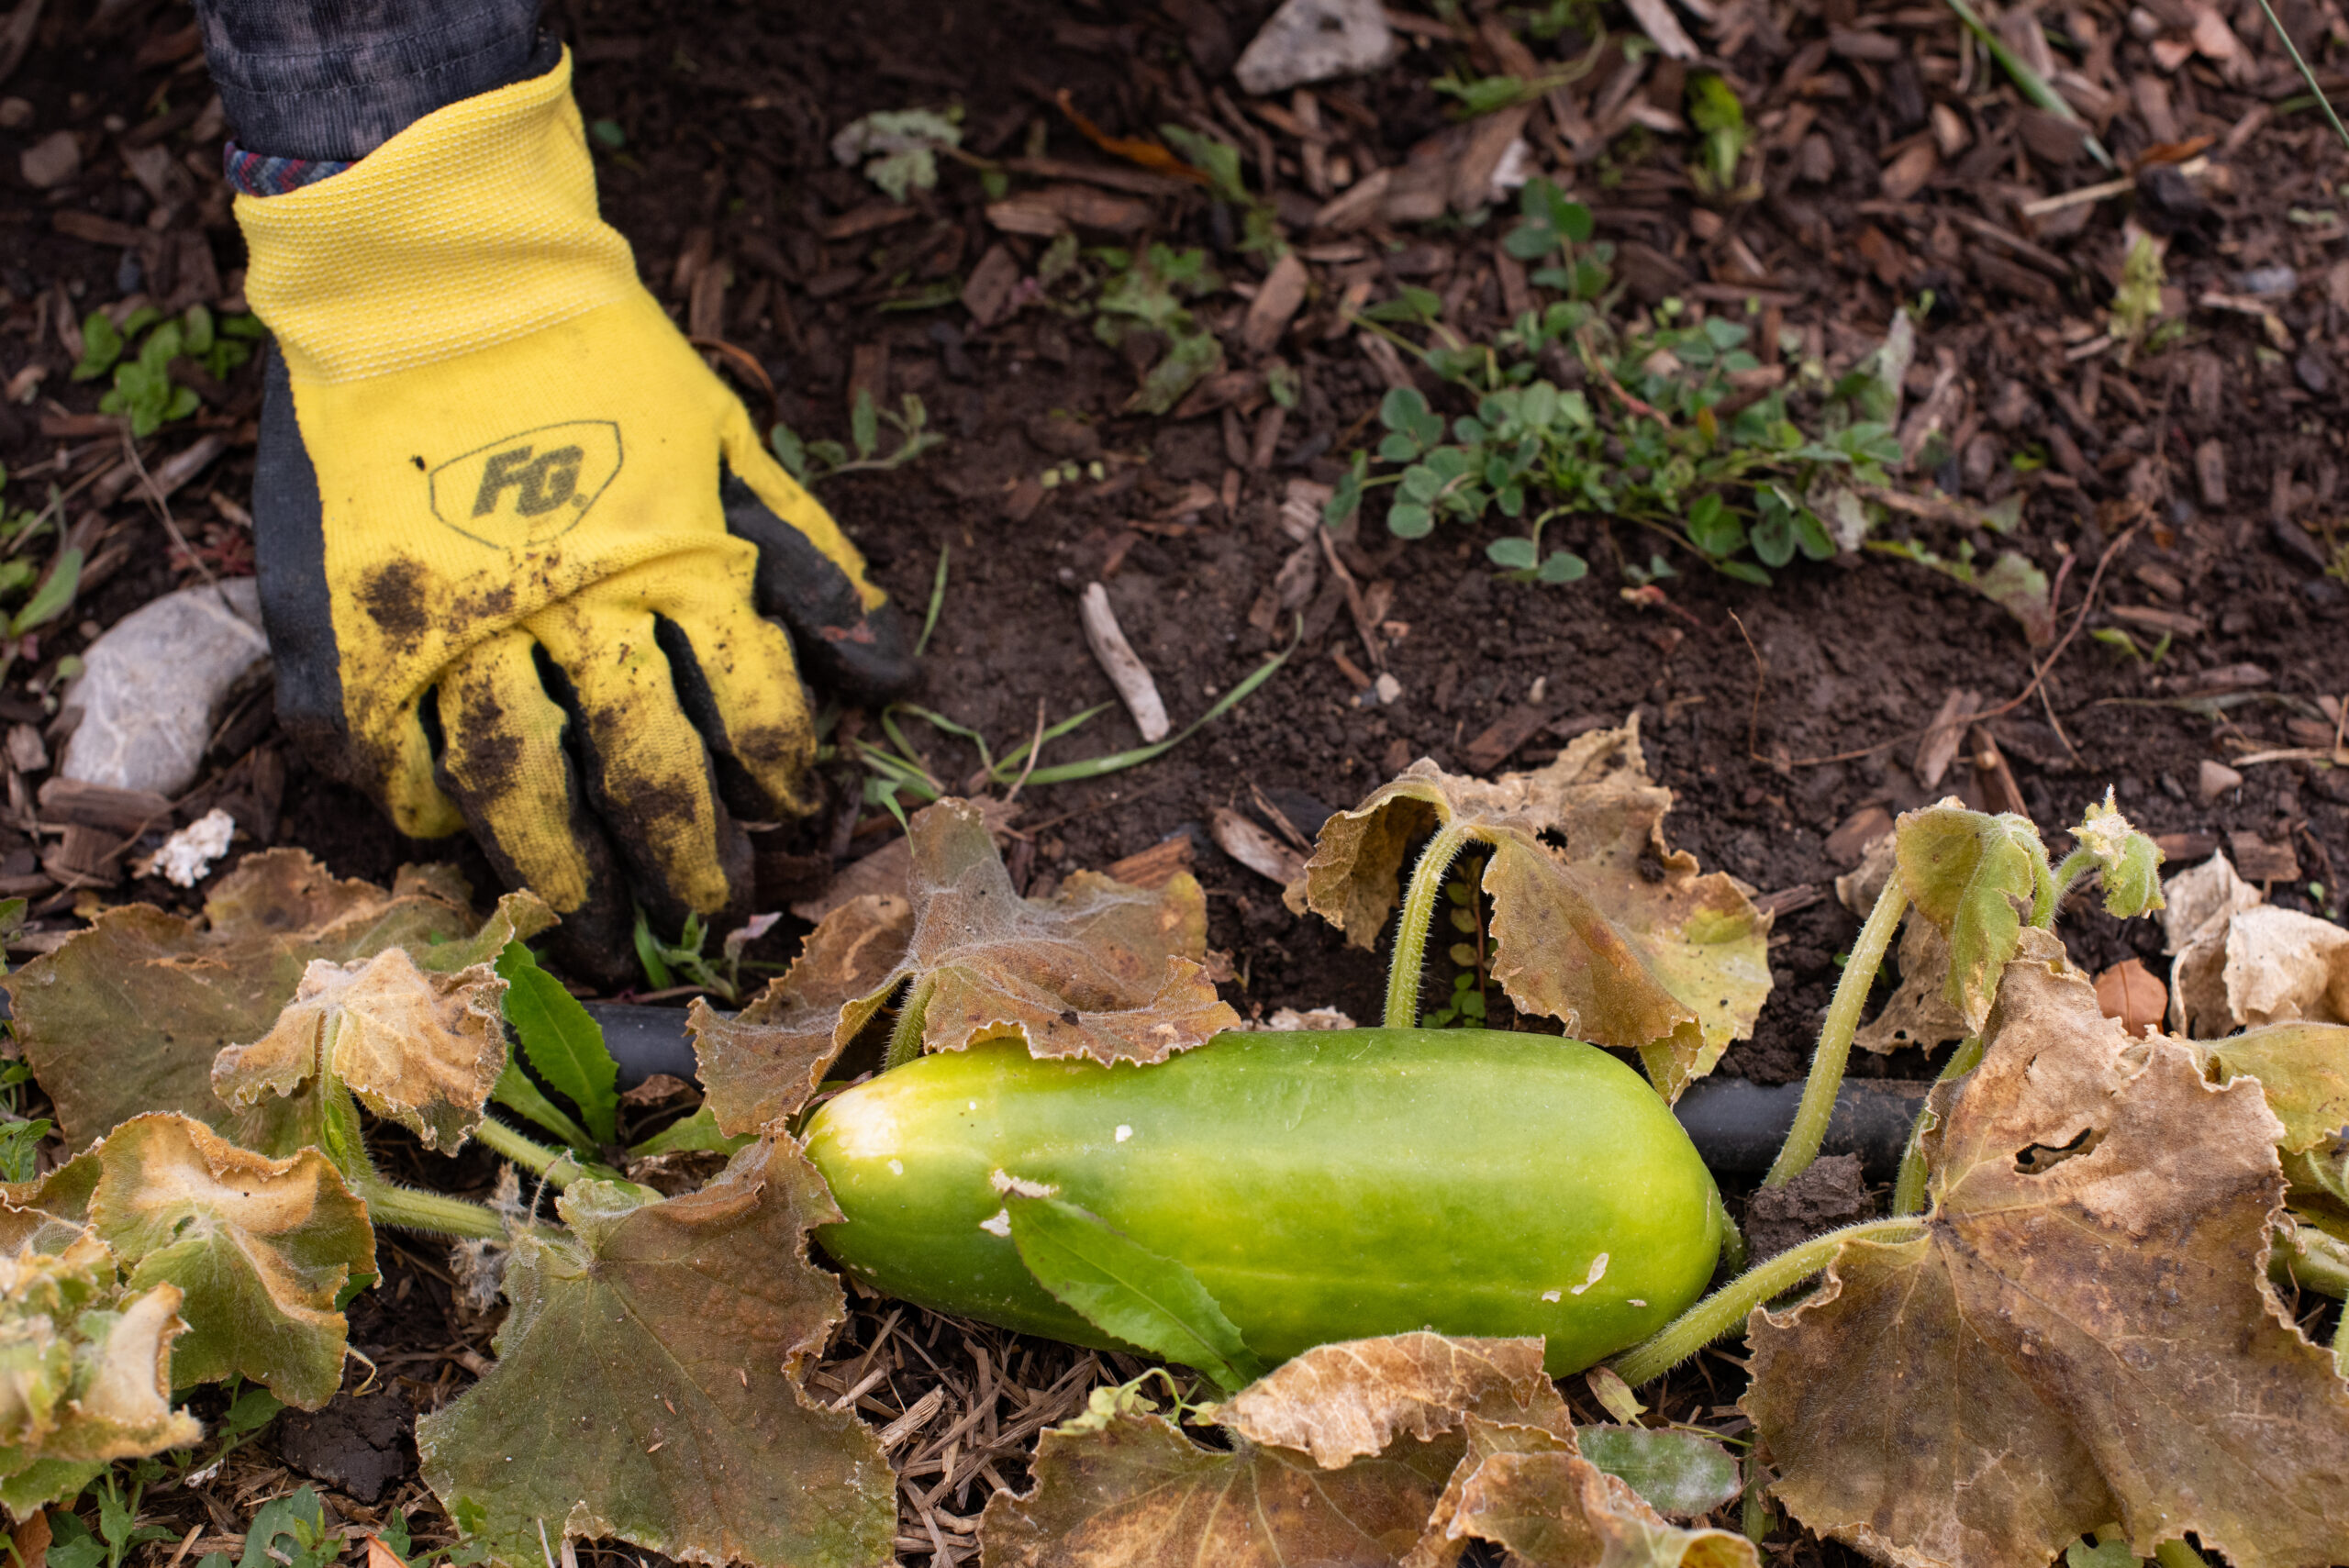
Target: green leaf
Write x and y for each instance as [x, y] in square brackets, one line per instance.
[53, 597]
[1713, 528]
[1563, 566]
[291, 1532]
[1515, 551]
[560, 1041]
[648, 953]
[1409, 519]
[1126, 1290]
[1678, 1473]
[260, 1247]
[102, 345]
[697, 1134]
[2130, 861]
[516, 1093]
[1975, 876]
[864, 425]
[647, 1387]
[789, 450]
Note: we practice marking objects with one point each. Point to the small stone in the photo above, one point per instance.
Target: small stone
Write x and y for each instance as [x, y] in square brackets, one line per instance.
[2312, 373]
[151, 688]
[2214, 780]
[51, 161]
[15, 114]
[2267, 282]
[1389, 689]
[1312, 40]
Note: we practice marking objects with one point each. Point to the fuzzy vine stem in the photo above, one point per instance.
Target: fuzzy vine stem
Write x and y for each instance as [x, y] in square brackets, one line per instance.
[412, 1209]
[1908, 1190]
[1818, 1107]
[555, 1166]
[2311, 1260]
[2057, 886]
[1725, 1310]
[905, 1037]
[1419, 914]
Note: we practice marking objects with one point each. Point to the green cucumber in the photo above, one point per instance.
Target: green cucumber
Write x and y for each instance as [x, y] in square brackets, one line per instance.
[1322, 1185]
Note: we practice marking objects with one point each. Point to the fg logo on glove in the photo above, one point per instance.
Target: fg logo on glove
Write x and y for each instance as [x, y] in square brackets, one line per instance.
[531, 487]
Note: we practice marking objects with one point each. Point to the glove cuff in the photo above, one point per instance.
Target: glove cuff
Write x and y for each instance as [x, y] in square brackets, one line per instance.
[473, 226]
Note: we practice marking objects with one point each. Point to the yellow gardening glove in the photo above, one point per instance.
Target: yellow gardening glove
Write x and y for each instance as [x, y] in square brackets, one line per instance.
[514, 538]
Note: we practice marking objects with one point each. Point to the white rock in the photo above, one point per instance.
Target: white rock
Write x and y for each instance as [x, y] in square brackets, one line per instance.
[1311, 41]
[51, 161]
[189, 853]
[151, 688]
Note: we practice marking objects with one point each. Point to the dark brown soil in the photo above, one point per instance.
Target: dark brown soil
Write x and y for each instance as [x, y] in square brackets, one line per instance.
[1775, 715]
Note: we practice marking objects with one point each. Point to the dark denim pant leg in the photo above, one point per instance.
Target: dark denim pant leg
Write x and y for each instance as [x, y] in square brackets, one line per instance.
[332, 80]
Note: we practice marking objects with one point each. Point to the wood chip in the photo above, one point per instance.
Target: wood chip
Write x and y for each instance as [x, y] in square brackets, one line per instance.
[1506, 734]
[2149, 617]
[2184, 848]
[2257, 859]
[987, 295]
[1664, 29]
[1122, 664]
[1993, 779]
[1938, 747]
[914, 1419]
[121, 811]
[1245, 841]
[1155, 866]
[1056, 209]
[1275, 304]
[1849, 844]
[1787, 900]
[1906, 176]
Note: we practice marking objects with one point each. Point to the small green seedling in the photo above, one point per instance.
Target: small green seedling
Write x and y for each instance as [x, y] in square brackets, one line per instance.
[898, 148]
[809, 461]
[143, 390]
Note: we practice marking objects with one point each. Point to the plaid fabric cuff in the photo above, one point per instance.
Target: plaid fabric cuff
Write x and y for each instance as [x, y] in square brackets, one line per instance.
[257, 175]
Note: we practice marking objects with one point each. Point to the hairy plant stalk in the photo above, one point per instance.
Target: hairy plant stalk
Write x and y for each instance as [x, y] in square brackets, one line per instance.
[1908, 1191]
[1412, 927]
[1733, 1239]
[411, 1209]
[2313, 1260]
[904, 1038]
[2048, 899]
[1724, 1311]
[555, 1166]
[1818, 1105]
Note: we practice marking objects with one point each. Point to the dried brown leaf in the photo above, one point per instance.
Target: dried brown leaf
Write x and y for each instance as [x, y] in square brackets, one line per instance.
[2084, 1333]
[1533, 1492]
[1919, 1011]
[1341, 1402]
[422, 1049]
[766, 1060]
[1123, 1487]
[2260, 965]
[1615, 934]
[128, 1015]
[1099, 970]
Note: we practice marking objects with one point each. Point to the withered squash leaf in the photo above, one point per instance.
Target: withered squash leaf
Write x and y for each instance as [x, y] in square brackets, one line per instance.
[2084, 1333]
[1599, 922]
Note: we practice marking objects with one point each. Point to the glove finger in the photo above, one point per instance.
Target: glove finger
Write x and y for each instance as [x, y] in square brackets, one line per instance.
[501, 757]
[849, 638]
[647, 773]
[738, 684]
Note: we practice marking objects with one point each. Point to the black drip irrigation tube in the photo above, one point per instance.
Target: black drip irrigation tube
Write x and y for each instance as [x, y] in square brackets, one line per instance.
[1736, 1126]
